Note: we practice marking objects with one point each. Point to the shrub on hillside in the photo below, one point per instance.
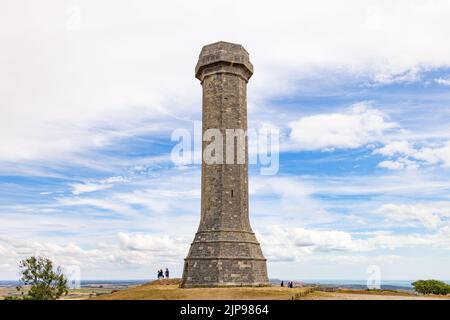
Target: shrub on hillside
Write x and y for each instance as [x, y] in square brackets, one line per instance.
[431, 287]
[44, 282]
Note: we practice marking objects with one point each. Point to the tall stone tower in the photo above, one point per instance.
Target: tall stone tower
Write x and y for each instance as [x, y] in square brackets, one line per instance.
[225, 251]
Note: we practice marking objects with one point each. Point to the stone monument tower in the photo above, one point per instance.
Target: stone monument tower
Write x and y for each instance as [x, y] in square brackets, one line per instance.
[225, 251]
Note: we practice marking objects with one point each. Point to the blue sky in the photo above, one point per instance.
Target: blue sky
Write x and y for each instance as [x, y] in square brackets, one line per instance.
[92, 93]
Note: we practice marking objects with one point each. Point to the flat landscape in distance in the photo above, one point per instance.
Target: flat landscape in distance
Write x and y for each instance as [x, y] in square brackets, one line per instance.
[88, 289]
[169, 290]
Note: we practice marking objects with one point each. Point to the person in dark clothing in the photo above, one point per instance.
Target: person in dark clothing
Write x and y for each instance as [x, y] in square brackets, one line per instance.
[167, 273]
[282, 283]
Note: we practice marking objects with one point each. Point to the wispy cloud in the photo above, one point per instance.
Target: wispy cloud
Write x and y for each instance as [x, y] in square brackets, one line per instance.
[358, 126]
[442, 81]
[407, 156]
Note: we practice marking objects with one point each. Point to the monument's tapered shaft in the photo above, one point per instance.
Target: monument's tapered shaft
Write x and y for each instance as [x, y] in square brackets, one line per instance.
[225, 251]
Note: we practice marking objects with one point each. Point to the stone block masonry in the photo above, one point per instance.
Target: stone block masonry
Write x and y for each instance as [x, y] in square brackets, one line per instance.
[225, 251]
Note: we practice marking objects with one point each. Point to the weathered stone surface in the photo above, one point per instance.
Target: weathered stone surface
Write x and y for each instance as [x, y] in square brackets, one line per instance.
[225, 251]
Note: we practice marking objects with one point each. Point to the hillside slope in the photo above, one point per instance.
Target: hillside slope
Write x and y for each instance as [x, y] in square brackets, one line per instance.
[170, 290]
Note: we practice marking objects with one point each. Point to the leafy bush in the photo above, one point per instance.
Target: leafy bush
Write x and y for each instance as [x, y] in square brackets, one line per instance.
[45, 283]
[431, 287]
[12, 298]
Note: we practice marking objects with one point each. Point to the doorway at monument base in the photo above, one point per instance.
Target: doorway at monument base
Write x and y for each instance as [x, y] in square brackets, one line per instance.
[224, 258]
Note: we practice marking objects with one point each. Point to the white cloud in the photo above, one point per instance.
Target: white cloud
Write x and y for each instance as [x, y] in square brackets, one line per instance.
[358, 126]
[388, 77]
[426, 214]
[393, 165]
[395, 147]
[433, 155]
[78, 188]
[324, 240]
[399, 164]
[65, 91]
[411, 157]
[293, 244]
[111, 205]
[96, 185]
[162, 245]
[442, 81]
[125, 251]
[276, 197]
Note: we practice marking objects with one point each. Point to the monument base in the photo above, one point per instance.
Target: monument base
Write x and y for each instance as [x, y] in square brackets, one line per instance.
[228, 272]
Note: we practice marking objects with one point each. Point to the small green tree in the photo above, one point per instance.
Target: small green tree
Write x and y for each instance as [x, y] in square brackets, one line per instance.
[45, 282]
[431, 287]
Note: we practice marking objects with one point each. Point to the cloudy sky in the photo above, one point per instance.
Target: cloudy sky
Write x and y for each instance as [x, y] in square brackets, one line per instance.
[90, 93]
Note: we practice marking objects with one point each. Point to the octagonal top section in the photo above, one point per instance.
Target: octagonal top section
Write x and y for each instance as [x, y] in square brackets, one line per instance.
[225, 52]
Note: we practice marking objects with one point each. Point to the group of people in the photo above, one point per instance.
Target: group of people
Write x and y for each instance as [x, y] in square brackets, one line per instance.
[161, 274]
[290, 284]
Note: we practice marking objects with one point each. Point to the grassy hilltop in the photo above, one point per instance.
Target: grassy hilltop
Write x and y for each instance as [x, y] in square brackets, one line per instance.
[170, 290]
